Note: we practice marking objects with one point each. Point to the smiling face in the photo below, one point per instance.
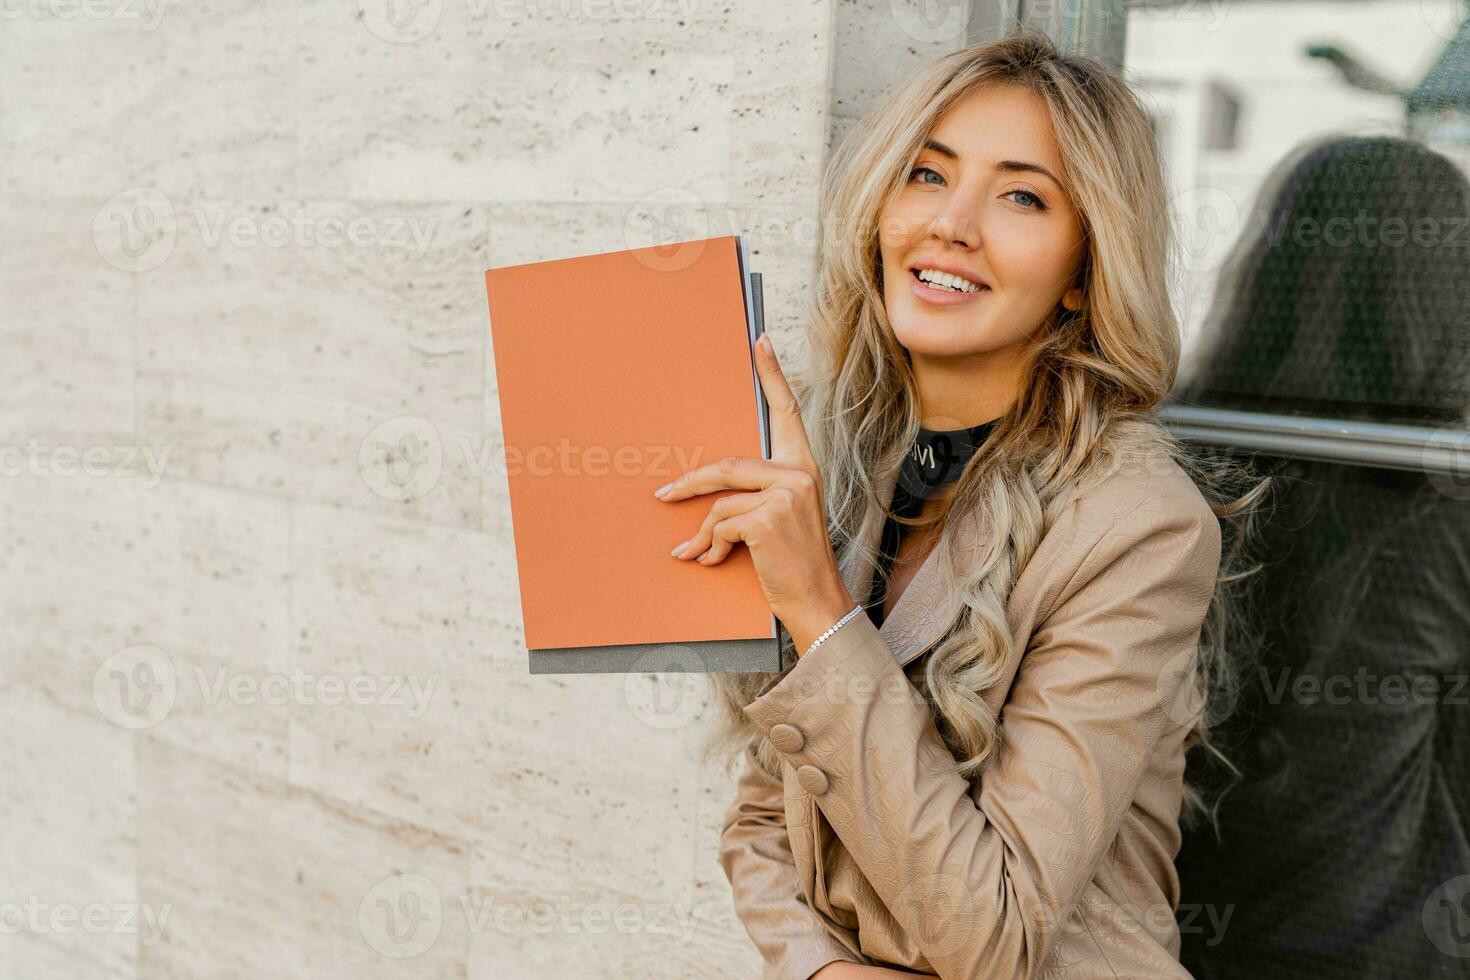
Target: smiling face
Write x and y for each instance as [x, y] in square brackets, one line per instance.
[984, 199]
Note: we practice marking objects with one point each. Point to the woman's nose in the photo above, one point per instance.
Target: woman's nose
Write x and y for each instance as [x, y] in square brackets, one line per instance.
[956, 224]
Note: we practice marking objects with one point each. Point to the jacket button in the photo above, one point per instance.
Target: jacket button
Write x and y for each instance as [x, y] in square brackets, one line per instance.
[787, 738]
[812, 779]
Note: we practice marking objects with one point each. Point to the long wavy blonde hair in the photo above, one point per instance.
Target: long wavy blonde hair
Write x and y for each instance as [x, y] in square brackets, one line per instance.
[1093, 379]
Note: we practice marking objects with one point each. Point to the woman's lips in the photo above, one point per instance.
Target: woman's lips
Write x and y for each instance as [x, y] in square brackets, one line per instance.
[942, 297]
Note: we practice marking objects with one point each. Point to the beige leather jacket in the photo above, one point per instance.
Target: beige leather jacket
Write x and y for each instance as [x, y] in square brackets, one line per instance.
[1058, 860]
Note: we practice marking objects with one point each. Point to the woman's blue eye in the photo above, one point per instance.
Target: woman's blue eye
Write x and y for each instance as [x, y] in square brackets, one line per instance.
[1037, 203]
[1038, 206]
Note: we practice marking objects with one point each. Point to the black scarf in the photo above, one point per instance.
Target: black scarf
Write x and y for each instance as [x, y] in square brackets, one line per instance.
[937, 457]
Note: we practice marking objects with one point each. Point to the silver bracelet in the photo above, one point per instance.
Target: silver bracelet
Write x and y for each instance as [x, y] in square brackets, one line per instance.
[834, 628]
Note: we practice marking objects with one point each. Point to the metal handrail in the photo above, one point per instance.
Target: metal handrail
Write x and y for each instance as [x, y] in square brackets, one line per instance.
[1444, 449]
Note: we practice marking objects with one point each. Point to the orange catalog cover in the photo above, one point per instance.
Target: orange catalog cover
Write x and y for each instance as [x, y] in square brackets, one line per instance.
[616, 373]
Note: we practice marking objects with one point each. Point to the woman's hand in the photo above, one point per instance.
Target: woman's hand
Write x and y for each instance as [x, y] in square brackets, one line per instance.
[782, 520]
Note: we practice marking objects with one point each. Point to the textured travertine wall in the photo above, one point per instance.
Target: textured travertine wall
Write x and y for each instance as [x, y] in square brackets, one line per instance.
[264, 708]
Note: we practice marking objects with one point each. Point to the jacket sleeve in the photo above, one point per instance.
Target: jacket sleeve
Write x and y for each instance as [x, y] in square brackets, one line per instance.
[984, 886]
[756, 855]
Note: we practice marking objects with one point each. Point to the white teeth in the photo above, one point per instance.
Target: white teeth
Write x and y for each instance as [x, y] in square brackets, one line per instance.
[944, 280]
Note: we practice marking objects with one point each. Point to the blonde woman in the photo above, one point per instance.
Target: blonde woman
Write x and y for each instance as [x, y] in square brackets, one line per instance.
[982, 776]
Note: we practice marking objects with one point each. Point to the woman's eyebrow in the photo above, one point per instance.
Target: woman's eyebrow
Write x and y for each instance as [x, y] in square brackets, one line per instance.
[1010, 166]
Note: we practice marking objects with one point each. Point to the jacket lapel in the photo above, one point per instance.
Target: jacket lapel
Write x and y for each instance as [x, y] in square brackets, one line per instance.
[922, 612]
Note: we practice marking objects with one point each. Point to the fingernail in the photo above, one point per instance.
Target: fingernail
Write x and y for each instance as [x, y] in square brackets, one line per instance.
[662, 490]
[679, 550]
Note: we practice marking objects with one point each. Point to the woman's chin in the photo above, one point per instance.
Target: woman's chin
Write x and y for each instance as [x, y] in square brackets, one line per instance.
[928, 340]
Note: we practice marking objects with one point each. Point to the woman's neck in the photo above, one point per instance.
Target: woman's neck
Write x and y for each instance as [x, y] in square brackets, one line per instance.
[958, 393]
